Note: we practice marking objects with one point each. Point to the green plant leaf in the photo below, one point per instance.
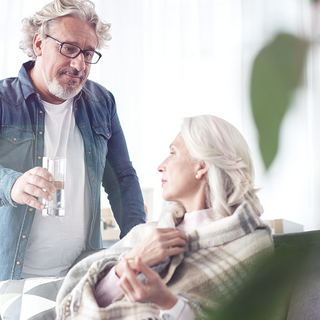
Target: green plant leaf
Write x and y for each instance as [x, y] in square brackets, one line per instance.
[276, 74]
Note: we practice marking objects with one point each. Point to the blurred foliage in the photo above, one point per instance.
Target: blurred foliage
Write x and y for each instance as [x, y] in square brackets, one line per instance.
[276, 73]
[266, 294]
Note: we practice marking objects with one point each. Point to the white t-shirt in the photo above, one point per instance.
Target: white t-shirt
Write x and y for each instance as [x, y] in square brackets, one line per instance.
[55, 243]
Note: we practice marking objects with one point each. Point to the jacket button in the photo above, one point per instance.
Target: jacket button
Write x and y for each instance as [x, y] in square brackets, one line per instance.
[24, 236]
[14, 139]
[40, 111]
[30, 209]
[39, 158]
[40, 132]
[18, 263]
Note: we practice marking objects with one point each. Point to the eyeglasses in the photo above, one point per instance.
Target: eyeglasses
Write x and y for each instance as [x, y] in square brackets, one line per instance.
[72, 51]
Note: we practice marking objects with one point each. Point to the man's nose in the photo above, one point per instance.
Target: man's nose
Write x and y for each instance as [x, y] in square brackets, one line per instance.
[78, 62]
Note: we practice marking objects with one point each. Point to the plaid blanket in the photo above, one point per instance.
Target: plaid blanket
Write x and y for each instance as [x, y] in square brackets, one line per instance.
[216, 261]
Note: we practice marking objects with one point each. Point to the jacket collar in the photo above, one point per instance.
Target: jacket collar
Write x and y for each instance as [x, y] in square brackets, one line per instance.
[26, 86]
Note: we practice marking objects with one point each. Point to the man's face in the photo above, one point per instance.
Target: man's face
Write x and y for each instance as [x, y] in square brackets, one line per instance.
[64, 77]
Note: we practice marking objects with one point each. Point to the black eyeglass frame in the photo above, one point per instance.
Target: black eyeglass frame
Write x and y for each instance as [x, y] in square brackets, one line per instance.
[81, 51]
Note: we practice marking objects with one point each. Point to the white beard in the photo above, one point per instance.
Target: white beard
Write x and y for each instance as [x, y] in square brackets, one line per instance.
[63, 93]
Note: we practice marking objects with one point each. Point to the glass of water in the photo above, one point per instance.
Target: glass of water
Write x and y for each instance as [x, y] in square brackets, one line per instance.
[57, 167]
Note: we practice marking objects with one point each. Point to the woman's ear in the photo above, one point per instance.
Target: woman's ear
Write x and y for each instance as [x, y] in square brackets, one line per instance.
[201, 170]
[37, 43]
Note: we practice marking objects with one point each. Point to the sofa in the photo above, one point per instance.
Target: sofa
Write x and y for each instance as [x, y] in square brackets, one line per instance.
[304, 299]
[283, 287]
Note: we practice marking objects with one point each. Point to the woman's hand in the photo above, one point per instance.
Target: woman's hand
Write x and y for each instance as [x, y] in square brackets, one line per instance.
[154, 291]
[159, 244]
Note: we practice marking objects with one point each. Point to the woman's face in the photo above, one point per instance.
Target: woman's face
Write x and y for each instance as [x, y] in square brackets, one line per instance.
[179, 172]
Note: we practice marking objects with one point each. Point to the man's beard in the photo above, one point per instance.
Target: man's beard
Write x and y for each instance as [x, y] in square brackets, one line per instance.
[58, 90]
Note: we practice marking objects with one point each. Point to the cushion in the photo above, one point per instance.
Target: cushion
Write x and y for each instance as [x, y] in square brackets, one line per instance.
[305, 300]
[29, 299]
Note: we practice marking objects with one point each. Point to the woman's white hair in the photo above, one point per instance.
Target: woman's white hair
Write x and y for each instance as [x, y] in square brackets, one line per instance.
[43, 21]
[224, 150]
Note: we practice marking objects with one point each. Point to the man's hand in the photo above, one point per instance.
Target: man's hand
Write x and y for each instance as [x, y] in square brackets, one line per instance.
[30, 185]
[154, 291]
[159, 244]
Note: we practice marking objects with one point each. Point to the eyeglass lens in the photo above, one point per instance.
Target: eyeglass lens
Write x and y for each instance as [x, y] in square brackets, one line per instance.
[71, 51]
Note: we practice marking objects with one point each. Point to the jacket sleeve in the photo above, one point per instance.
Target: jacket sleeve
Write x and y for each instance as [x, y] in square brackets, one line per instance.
[7, 179]
[121, 183]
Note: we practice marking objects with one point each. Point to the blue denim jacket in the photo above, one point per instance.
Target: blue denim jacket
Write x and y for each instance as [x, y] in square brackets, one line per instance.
[21, 148]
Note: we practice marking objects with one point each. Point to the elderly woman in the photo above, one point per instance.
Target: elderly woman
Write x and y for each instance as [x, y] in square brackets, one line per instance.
[197, 254]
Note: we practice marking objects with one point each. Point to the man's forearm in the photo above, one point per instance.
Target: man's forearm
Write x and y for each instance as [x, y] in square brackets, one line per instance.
[7, 179]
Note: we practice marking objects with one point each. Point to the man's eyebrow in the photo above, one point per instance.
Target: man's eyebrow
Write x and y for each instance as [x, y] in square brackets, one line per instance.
[78, 45]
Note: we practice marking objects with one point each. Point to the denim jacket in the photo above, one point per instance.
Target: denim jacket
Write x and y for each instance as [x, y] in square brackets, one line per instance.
[22, 119]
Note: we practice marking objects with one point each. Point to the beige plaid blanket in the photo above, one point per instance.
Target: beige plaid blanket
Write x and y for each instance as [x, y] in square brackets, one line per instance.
[216, 261]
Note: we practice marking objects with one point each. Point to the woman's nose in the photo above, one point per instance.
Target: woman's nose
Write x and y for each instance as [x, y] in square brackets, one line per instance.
[161, 167]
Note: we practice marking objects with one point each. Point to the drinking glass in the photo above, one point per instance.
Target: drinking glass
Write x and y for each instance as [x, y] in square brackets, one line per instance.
[57, 167]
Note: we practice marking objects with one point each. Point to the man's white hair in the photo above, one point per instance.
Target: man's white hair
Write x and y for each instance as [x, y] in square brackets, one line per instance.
[224, 150]
[42, 22]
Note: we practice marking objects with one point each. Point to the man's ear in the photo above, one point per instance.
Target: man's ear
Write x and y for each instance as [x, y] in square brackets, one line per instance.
[37, 44]
[202, 169]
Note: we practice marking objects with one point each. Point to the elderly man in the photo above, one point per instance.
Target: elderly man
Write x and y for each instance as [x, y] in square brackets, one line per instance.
[51, 109]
